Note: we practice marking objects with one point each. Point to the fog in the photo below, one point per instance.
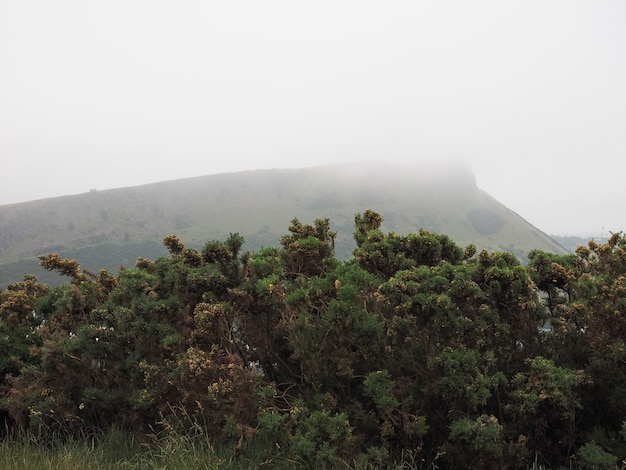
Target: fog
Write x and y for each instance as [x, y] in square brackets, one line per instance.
[121, 93]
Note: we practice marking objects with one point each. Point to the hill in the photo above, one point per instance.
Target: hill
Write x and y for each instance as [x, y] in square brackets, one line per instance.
[106, 229]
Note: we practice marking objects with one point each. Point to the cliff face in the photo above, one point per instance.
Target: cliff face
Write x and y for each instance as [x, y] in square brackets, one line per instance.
[97, 227]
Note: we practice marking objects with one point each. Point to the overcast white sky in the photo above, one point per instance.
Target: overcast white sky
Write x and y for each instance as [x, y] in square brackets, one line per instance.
[104, 94]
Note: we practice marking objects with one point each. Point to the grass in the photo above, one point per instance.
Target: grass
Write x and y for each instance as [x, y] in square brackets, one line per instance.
[118, 450]
[113, 450]
[25, 451]
[181, 444]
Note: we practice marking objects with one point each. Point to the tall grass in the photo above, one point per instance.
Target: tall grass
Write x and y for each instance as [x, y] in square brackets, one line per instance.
[114, 450]
[117, 450]
[170, 449]
[23, 451]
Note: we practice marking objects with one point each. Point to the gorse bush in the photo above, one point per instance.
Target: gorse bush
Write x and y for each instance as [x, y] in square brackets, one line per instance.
[416, 349]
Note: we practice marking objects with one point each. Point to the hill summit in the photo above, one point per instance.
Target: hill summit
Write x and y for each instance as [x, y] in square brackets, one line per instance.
[106, 229]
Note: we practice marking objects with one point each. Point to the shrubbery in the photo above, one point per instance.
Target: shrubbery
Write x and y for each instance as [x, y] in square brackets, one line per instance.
[415, 347]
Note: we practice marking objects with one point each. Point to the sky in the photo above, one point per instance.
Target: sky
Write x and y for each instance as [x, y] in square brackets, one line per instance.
[100, 95]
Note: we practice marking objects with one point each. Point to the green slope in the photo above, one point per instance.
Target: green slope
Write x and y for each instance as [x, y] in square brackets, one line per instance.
[114, 227]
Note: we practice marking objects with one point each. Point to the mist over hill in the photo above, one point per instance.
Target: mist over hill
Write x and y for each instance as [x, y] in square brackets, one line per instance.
[107, 229]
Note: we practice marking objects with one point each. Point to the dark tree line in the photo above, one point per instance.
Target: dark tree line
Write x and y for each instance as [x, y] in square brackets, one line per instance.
[415, 348]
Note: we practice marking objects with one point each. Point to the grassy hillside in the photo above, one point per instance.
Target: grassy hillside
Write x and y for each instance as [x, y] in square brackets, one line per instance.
[106, 229]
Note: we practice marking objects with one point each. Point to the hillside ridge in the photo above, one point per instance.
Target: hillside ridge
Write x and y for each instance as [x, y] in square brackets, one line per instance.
[259, 204]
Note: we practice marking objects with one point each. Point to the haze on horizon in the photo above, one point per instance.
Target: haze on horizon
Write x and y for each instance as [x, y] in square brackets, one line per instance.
[122, 93]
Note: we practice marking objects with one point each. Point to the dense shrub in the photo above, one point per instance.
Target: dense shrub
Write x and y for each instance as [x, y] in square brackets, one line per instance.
[415, 347]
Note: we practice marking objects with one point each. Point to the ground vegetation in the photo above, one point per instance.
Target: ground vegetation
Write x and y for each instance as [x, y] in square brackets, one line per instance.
[413, 350]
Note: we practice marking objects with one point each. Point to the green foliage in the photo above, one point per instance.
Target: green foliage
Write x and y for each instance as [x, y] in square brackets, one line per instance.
[476, 443]
[379, 387]
[65, 267]
[385, 254]
[592, 456]
[321, 437]
[414, 349]
[309, 250]
[19, 327]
